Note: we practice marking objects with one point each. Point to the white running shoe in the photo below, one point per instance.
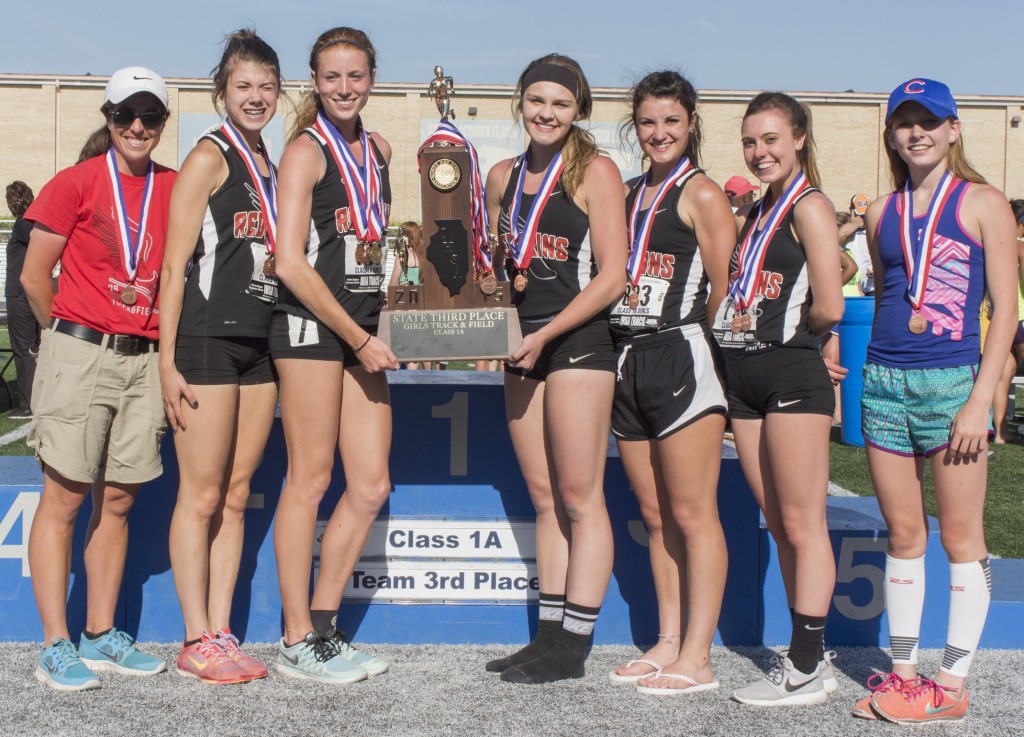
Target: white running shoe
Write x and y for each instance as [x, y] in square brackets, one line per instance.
[784, 685]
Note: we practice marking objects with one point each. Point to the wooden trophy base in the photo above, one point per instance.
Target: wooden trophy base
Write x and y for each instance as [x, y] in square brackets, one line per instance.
[450, 335]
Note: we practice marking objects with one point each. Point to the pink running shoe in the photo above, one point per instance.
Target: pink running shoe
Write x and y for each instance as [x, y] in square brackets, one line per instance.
[210, 663]
[921, 700]
[247, 663]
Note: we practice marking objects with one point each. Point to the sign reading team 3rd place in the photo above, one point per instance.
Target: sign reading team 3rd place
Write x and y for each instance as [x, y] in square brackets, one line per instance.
[438, 560]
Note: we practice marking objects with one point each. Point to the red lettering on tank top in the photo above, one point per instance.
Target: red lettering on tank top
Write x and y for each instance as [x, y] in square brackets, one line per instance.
[551, 247]
[769, 285]
[249, 224]
[341, 220]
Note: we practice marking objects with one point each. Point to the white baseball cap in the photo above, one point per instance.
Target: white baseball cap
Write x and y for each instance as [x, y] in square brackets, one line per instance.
[132, 80]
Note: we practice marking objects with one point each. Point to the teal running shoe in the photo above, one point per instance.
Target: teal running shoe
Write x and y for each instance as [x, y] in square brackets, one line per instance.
[372, 665]
[316, 659]
[116, 651]
[61, 668]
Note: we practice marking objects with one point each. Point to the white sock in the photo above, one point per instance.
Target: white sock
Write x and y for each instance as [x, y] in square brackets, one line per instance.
[970, 590]
[904, 603]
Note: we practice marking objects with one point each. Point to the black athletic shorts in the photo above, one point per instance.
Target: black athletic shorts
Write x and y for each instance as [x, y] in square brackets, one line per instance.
[213, 360]
[666, 381]
[792, 380]
[587, 346]
[292, 336]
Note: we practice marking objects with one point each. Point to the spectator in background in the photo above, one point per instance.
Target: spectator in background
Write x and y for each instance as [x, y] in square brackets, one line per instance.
[740, 192]
[854, 237]
[21, 323]
[1000, 401]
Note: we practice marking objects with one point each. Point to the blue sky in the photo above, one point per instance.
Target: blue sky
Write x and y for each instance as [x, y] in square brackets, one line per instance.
[868, 46]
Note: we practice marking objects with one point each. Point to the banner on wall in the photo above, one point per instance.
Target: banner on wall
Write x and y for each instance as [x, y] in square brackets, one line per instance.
[192, 126]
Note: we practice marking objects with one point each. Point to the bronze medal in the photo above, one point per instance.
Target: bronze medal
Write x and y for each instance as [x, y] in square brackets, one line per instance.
[269, 267]
[361, 254]
[520, 282]
[741, 322]
[917, 324]
[633, 300]
[129, 296]
[488, 283]
[375, 253]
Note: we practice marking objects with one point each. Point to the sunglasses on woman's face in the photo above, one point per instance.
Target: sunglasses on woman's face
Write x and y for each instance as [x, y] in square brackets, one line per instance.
[126, 116]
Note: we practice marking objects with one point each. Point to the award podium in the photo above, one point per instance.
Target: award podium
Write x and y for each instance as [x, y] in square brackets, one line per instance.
[463, 309]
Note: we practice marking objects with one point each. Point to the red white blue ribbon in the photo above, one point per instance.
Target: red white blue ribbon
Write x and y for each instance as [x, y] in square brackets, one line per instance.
[755, 245]
[522, 242]
[640, 237]
[917, 251]
[268, 199]
[362, 183]
[447, 132]
[129, 246]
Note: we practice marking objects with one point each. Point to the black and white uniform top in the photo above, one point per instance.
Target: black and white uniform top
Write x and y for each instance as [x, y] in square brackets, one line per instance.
[563, 262]
[673, 283]
[331, 248]
[229, 255]
[782, 299]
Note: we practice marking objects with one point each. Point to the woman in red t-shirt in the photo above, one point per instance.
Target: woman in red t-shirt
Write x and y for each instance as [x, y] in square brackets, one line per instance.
[97, 414]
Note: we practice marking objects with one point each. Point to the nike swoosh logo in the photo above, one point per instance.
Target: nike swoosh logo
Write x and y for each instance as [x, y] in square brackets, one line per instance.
[791, 687]
[679, 391]
[813, 629]
[149, 78]
[938, 709]
[579, 358]
[293, 660]
[786, 404]
[197, 664]
[658, 212]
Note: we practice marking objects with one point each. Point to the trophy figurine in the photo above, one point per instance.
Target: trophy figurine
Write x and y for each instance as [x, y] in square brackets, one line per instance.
[463, 308]
[441, 89]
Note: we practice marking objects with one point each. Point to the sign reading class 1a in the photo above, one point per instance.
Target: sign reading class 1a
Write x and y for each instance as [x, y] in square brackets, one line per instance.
[458, 310]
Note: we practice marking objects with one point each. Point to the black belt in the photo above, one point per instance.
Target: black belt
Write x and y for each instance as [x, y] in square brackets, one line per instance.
[126, 345]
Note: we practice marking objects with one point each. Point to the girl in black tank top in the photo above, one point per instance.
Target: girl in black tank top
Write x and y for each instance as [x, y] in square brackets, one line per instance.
[784, 290]
[567, 265]
[681, 233]
[331, 289]
[222, 224]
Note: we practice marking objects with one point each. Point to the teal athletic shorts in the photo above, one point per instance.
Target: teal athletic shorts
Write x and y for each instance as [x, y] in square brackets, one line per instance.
[909, 411]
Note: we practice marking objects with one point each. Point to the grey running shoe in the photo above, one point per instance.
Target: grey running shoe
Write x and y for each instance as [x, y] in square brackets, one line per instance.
[783, 686]
[316, 659]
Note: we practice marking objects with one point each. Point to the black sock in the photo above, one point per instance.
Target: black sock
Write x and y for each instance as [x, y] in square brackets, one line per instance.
[565, 658]
[96, 635]
[807, 644]
[323, 621]
[792, 612]
[190, 643]
[548, 626]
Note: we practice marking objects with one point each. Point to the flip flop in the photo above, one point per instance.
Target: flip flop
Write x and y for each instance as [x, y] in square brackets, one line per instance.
[616, 678]
[693, 688]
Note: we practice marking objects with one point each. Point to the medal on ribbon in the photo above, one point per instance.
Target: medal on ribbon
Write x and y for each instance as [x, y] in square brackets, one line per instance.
[752, 250]
[640, 237]
[362, 183]
[917, 250]
[447, 133]
[129, 246]
[268, 199]
[522, 242]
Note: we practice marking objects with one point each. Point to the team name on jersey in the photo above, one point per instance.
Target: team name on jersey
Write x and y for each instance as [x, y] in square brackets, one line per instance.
[661, 265]
[769, 284]
[249, 224]
[546, 246]
[343, 218]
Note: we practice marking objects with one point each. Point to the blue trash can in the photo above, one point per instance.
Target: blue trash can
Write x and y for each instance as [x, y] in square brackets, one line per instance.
[854, 334]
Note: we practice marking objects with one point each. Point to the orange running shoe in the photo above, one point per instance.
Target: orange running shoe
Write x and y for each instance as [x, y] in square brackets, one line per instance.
[920, 700]
[247, 663]
[210, 663]
[879, 683]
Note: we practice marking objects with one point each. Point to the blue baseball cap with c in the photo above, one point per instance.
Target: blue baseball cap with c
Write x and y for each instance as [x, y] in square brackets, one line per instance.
[935, 96]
